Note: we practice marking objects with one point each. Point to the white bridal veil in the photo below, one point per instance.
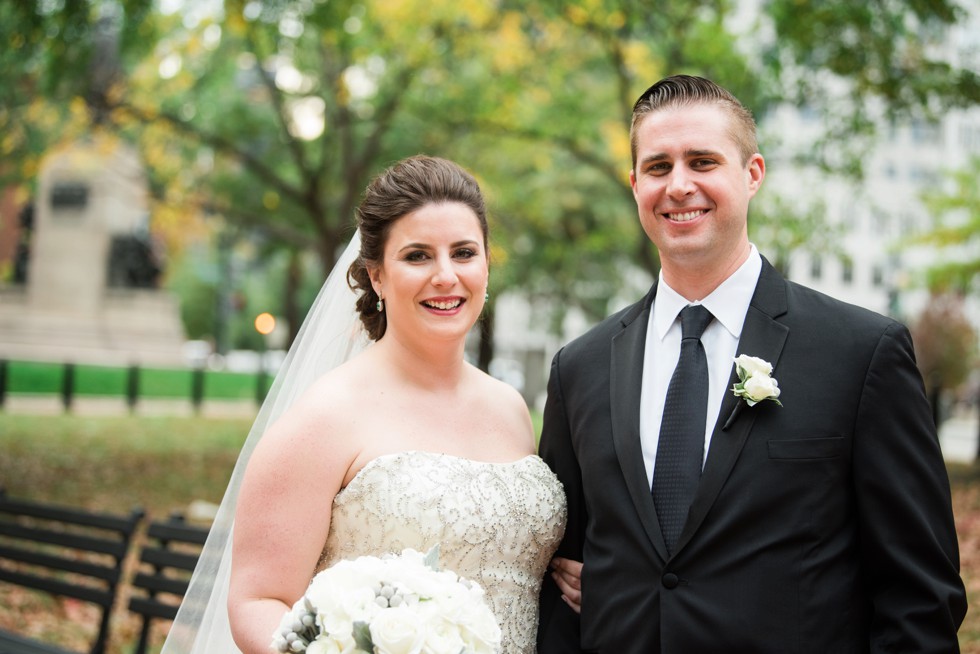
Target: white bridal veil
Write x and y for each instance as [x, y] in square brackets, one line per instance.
[331, 334]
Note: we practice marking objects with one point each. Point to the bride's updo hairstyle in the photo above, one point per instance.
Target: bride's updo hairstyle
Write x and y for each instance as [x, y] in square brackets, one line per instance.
[403, 188]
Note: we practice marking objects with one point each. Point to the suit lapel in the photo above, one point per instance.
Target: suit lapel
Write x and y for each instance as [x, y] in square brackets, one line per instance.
[626, 378]
[762, 337]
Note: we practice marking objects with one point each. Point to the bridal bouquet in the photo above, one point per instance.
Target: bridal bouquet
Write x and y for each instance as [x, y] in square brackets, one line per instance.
[390, 605]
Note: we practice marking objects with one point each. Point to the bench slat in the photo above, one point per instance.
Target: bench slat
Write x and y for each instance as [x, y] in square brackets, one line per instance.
[109, 521]
[16, 644]
[113, 547]
[153, 608]
[179, 531]
[169, 558]
[103, 572]
[101, 597]
[160, 583]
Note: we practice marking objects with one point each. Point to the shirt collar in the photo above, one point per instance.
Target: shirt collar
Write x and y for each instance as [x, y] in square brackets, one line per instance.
[728, 303]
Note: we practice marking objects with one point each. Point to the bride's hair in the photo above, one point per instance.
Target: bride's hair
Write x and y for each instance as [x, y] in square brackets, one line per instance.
[403, 188]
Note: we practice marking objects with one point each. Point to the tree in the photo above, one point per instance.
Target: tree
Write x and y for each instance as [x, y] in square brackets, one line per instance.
[858, 63]
[567, 212]
[945, 346]
[272, 115]
[60, 58]
[616, 48]
[956, 217]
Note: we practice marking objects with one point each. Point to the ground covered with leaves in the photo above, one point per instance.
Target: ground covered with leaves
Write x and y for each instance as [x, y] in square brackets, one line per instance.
[965, 482]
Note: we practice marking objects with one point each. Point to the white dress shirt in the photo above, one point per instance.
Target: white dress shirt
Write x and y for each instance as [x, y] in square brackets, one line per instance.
[728, 304]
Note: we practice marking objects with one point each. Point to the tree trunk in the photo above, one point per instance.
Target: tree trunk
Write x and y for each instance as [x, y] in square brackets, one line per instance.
[978, 425]
[935, 399]
[294, 278]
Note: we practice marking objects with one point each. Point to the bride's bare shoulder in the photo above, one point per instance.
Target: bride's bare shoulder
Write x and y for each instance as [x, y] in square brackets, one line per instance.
[340, 390]
[504, 407]
[329, 408]
[498, 392]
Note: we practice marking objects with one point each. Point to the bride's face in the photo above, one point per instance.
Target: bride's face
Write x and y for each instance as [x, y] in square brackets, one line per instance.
[434, 274]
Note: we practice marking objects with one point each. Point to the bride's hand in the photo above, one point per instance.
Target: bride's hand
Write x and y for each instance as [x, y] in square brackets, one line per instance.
[568, 575]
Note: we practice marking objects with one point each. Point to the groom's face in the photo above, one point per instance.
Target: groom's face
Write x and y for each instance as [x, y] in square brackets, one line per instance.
[692, 187]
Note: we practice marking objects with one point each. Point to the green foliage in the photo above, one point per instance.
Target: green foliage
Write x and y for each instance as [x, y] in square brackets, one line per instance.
[567, 228]
[955, 208]
[881, 48]
[60, 57]
[845, 60]
[194, 280]
[61, 44]
[782, 228]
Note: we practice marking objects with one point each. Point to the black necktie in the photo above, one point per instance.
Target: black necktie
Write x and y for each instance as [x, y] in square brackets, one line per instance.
[680, 450]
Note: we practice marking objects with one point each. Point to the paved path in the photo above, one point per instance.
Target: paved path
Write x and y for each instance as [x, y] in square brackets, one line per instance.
[115, 406]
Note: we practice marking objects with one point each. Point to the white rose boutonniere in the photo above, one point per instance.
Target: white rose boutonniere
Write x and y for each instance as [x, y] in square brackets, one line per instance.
[755, 381]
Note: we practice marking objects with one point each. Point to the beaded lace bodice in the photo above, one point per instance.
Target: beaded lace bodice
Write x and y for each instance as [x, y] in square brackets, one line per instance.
[495, 523]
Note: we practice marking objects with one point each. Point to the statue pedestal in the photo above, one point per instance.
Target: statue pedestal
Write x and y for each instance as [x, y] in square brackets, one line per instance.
[91, 196]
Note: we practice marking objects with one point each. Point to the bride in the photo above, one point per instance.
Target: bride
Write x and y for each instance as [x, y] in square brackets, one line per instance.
[402, 445]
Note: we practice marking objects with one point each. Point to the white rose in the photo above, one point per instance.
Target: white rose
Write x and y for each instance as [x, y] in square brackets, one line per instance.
[443, 638]
[341, 579]
[396, 631]
[425, 582]
[753, 365]
[409, 556]
[761, 387]
[323, 646]
[482, 633]
[337, 613]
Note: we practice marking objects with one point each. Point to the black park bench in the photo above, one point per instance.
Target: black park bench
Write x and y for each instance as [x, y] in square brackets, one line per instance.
[167, 560]
[65, 552]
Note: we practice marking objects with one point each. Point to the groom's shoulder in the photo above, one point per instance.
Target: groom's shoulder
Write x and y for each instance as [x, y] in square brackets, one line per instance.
[819, 309]
[792, 302]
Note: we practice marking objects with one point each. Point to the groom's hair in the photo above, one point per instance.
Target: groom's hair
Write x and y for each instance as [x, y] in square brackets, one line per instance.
[686, 90]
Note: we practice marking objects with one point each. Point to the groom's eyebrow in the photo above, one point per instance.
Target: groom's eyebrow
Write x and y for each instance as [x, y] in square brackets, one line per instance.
[691, 153]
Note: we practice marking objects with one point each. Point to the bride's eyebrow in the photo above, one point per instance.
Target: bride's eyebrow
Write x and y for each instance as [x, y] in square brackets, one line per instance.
[426, 246]
[414, 246]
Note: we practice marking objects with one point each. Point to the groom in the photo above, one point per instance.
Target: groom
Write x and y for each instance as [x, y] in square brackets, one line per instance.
[814, 521]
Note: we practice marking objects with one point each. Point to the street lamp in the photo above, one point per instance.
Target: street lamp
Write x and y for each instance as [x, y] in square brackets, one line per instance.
[265, 324]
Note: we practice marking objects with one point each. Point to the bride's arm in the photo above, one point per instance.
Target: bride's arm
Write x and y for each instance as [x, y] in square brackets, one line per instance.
[282, 519]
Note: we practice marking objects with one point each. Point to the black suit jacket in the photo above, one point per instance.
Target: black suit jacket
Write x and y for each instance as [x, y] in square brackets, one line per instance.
[820, 526]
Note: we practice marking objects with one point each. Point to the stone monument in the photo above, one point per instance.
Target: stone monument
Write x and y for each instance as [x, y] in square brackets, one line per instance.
[90, 294]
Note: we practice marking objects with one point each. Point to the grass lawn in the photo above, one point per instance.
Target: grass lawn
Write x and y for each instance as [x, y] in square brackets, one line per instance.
[164, 464]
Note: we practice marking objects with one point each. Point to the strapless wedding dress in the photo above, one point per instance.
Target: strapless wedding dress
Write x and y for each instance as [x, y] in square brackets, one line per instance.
[495, 523]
